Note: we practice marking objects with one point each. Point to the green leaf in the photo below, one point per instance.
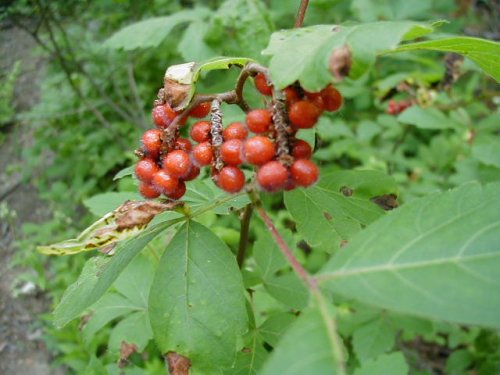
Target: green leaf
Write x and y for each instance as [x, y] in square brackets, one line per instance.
[266, 253]
[101, 204]
[197, 304]
[303, 54]
[288, 289]
[203, 194]
[436, 257]
[388, 364]
[275, 326]
[335, 209]
[151, 32]
[306, 348]
[484, 53]
[192, 47]
[426, 118]
[486, 149]
[373, 338]
[98, 275]
[128, 171]
[134, 329]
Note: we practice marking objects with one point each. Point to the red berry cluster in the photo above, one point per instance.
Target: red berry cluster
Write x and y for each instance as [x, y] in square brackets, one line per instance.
[161, 172]
[282, 160]
[396, 107]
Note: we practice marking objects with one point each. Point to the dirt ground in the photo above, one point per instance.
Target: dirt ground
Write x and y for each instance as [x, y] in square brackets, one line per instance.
[22, 350]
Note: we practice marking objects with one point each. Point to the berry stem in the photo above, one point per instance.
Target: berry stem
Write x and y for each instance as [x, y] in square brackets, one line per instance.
[299, 20]
[216, 132]
[281, 127]
[244, 232]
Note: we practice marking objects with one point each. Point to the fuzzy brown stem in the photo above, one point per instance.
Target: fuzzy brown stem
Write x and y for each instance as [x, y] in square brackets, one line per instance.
[301, 13]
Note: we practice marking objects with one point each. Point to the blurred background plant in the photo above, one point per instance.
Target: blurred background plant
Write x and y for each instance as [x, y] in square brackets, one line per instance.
[96, 90]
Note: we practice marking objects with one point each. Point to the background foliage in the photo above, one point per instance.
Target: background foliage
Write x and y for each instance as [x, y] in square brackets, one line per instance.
[107, 63]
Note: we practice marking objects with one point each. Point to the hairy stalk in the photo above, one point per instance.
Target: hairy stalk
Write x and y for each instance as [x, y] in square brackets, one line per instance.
[244, 232]
[310, 282]
[301, 13]
[216, 133]
[281, 127]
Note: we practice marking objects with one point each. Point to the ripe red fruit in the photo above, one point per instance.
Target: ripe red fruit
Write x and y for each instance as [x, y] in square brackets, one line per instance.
[291, 95]
[304, 172]
[236, 130]
[303, 114]
[331, 98]
[151, 141]
[202, 154]
[231, 179]
[262, 86]
[201, 110]
[301, 150]
[200, 132]
[231, 152]
[259, 150]
[179, 191]
[163, 115]
[316, 99]
[259, 120]
[148, 191]
[183, 144]
[145, 169]
[177, 163]
[164, 182]
[193, 173]
[272, 176]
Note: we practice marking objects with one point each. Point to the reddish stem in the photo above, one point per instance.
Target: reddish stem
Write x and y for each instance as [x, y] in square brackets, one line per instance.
[301, 13]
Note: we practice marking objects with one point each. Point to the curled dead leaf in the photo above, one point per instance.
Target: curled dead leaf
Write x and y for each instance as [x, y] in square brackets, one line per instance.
[340, 62]
[177, 364]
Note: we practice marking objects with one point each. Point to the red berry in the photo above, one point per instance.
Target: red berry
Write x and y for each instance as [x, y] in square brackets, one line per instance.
[183, 144]
[164, 182]
[193, 173]
[177, 163]
[303, 114]
[200, 132]
[259, 150]
[301, 150]
[231, 179]
[262, 86]
[179, 191]
[272, 176]
[236, 130]
[259, 120]
[201, 110]
[332, 98]
[316, 99]
[304, 172]
[145, 169]
[231, 152]
[163, 115]
[291, 95]
[148, 191]
[151, 141]
[202, 154]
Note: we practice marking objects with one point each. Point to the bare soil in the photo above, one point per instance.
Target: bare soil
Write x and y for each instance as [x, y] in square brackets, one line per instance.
[22, 350]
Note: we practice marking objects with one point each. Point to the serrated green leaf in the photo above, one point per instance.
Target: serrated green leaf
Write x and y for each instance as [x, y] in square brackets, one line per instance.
[151, 32]
[99, 274]
[273, 328]
[426, 118]
[387, 364]
[373, 338]
[486, 149]
[134, 329]
[303, 54]
[288, 289]
[267, 255]
[306, 348]
[203, 194]
[192, 47]
[197, 304]
[485, 53]
[101, 204]
[436, 257]
[326, 214]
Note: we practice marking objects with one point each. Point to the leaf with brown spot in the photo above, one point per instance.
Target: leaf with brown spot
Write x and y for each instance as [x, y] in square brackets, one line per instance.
[177, 364]
[386, 202]
[126, 350]
[340, 62]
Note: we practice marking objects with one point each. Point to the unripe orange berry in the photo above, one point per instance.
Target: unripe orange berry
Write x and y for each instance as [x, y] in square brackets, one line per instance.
[301, 150]
[145, 169]
[236, 130]
[231, 179]
[151, 141]
[179, 191]
[304, 172]
[231, 152]
[202, 154]
[201, 110]
[148, 191]
[177, 163]
[303, 114]
[272, 176]
[259, 120]
[262, 86]
[164, 182]
[259, 150]
[332, 98]
[200, 132]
